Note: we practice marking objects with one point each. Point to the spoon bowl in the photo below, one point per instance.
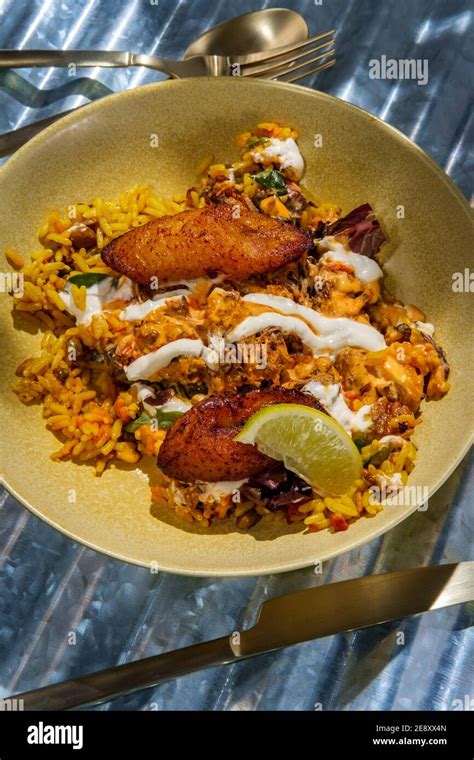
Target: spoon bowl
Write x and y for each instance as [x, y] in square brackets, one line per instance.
[251, 33]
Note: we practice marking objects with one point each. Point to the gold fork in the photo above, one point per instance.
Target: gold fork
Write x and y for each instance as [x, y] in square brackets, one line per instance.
[298, 58]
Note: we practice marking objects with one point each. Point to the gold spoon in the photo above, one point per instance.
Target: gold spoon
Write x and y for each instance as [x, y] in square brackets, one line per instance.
[251, 33]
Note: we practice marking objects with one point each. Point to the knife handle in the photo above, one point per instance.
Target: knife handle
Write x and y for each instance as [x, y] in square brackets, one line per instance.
[94, 688]
[21, 59]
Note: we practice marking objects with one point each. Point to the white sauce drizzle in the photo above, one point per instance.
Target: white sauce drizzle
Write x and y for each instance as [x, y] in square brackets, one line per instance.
[396, 441]
[365, 269]
[215, 491]
[148, 365]
[284, 152]
[252, 325]
[174, 404]
[334, 332]
[97, 296]
[390, 482]
[425, 327]
[138, 311]
[332, 399]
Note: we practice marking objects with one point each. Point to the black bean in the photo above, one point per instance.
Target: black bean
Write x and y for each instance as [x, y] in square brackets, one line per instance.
[61, 374]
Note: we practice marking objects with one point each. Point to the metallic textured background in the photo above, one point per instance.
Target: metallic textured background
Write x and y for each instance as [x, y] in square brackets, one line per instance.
[52, 587]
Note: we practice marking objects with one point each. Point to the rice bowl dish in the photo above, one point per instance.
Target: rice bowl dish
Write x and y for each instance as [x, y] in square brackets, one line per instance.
[168, 323]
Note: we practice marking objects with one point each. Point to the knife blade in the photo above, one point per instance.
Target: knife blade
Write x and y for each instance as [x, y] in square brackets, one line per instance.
[283, 621]
[349, 605]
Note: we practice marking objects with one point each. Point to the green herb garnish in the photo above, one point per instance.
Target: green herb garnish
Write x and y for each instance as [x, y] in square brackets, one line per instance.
[271, 180]
[380, 456]
[162, 421]
[166, 419]
[256, 141]
[143, 419]
[87, 278]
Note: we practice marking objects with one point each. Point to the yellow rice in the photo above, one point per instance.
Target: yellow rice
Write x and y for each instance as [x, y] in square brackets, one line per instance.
[85, 408]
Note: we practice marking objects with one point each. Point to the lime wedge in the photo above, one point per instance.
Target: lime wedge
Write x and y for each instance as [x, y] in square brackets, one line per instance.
[309, 443]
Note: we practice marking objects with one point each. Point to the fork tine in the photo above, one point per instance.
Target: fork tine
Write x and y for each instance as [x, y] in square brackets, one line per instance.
[289, 58]
[276, 71]
[309, 73]
[281, 51]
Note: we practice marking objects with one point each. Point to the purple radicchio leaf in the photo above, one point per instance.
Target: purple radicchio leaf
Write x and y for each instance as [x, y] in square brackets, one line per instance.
[362, 228]
[292, 498]
[281, 489]
[270, 480]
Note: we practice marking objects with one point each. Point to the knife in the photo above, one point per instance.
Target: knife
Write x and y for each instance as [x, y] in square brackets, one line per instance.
[282, 621]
